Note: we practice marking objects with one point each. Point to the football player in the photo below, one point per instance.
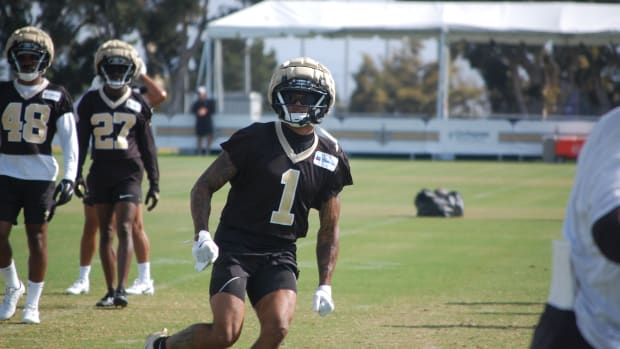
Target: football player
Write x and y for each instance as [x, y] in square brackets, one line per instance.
[117, 120]
[277, 172]
[33, 111]
[143, 284]
[583, 306]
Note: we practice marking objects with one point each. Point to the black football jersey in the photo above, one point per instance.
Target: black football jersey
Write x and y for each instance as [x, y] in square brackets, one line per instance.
[274, 189]
[28, 123]
[119, 130]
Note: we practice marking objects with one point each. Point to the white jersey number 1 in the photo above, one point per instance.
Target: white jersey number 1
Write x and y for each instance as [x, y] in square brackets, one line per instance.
[283, 215]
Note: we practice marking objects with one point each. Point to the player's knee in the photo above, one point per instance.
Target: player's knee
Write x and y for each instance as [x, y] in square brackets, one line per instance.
[227, 338]
[275, 332]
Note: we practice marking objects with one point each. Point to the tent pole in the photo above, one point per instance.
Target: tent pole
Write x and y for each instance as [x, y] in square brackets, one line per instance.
[208, 66]
[219, 81]
[443, 60]
[201, 67]
[247, 67]
[345, 99]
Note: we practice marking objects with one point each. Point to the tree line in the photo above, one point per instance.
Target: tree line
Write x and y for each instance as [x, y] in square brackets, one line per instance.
[518, 79]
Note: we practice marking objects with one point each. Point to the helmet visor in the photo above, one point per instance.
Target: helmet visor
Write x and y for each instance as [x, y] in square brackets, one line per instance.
[305, 98]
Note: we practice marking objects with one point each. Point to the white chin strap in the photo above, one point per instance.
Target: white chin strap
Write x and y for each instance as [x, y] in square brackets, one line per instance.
[296, 119]
[28, 76]
[115, 84]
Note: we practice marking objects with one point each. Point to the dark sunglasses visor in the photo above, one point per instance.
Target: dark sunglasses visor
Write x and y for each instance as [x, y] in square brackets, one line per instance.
[303, 98]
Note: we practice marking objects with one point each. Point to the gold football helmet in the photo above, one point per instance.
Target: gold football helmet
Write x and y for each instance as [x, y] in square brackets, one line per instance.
[306, 81]
[117, 62]
[29, 51]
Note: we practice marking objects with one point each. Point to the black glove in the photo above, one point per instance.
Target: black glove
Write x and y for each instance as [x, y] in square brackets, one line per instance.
[152, 195]
[81, 190]
[63, 192]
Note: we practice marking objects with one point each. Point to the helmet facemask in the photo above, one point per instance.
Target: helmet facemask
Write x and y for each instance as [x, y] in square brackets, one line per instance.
[117, 71]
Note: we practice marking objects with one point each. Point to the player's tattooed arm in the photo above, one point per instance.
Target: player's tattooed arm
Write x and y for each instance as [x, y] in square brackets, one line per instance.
[212, 179]
[327, 245]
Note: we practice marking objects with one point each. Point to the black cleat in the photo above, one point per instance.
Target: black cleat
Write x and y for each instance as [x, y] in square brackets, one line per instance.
[107, 300]
[120, 298]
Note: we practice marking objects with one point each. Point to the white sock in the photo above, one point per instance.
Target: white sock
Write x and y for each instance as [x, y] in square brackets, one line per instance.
[84, 272]
[34, 293]
[144, 271]
[10, 275]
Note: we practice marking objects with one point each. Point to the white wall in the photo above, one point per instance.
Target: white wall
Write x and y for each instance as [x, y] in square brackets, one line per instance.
[396, 136]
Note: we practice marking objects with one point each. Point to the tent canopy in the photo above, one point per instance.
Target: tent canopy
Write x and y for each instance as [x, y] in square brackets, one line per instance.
[565, 23]
[513, 21]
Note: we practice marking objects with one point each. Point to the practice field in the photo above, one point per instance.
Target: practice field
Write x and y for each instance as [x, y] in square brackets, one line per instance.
[401, 281]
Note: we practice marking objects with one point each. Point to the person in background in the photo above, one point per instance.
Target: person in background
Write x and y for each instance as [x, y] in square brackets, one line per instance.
[277, 172]
[144, 284]
[204, 109]
[33, 110]
[118, 121]
[583, 307]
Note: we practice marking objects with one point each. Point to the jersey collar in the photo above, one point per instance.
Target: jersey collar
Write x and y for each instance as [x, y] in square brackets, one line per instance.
[114, 104]
[27, 92]
[288, 150]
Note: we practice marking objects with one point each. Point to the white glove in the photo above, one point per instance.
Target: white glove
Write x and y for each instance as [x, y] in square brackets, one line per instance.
[205, 251]
[323, 302]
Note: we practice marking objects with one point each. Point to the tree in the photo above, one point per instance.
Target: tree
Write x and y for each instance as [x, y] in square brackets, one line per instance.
[367, 97]
[405, 85]
[547, 79]
[171, 36]
[78, 27]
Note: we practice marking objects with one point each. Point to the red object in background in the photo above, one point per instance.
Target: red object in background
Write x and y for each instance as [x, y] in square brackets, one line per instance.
[569, 146]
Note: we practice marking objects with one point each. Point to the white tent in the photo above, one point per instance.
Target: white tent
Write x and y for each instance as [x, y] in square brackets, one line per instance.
[531, 22]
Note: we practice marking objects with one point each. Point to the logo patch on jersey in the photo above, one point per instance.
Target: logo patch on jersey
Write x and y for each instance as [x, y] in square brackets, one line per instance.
[51, 95]
[134, 105]
[325, 160]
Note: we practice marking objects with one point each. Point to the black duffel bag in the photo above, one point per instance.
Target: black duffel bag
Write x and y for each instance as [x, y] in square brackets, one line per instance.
[439, 203]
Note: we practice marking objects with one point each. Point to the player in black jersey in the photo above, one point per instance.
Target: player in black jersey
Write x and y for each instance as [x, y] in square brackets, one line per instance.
[118, 122]
[277, 172]
[33, 111]
[143, 285]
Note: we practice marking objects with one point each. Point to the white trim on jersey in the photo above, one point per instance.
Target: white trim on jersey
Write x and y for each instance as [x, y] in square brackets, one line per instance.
[323, 133]
[288, 150]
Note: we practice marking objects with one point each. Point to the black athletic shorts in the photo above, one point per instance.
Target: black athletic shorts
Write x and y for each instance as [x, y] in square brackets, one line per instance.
[35, 197]
[88, 200]
[255, 273]
[111, 182]
[557, 329]
[204, 126]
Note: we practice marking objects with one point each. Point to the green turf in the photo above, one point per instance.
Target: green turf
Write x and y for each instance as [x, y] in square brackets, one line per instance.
[401, 282]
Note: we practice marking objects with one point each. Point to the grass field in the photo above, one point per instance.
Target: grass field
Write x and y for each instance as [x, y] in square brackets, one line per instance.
[401, 282]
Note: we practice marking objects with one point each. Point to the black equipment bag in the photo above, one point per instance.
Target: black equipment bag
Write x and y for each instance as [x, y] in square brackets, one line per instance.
[439, 203]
